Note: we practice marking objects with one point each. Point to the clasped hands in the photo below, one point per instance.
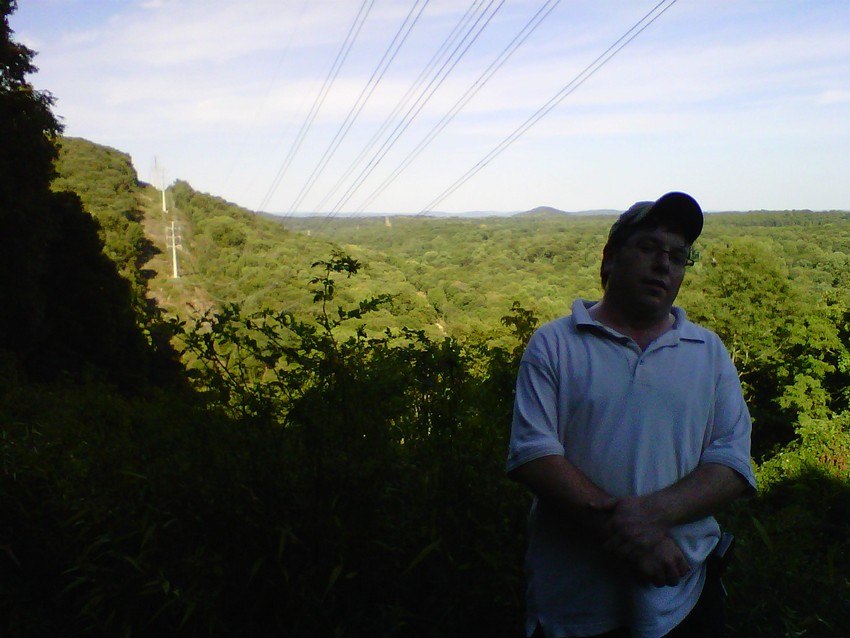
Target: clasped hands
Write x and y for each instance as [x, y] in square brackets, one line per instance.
[633, 529]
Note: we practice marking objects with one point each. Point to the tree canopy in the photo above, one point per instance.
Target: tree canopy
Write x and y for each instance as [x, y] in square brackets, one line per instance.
[63, 307]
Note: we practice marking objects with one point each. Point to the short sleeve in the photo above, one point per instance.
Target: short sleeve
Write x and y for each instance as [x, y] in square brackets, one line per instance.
[731, 430]
[534, 430]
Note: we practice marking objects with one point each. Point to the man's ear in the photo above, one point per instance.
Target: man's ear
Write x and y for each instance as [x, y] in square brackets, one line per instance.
[606, 265]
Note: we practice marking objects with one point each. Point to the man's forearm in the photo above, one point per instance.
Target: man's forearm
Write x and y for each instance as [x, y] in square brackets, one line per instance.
[572, 501]
[638, 523]
[563, 487]
[703, 492]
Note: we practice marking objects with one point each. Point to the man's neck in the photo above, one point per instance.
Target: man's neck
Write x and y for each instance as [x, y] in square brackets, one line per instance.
[643, 330]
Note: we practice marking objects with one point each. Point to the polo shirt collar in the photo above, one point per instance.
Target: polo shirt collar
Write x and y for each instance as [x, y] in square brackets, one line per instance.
[682, 328]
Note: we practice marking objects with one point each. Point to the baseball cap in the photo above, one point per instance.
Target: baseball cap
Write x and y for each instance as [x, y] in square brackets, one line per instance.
[678, 211]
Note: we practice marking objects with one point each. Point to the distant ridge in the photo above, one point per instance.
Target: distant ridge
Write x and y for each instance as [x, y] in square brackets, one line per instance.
[540, 211]
[548, 211]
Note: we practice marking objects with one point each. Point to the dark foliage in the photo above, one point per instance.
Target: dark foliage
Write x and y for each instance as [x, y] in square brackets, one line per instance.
[64, 311]
[365, 495]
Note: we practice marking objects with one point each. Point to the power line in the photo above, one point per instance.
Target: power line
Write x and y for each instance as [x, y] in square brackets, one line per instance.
[377, 75]
[542, 13]
[261, 104]
[341, 56]
[441, 52]
[411, 114]
[576, 82]
[420, 103]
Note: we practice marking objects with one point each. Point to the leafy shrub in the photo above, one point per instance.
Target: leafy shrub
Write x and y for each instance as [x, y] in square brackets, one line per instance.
[790, 573]
[365, 497]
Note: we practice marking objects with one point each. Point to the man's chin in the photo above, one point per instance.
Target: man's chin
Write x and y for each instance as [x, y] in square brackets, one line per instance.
[651, 307]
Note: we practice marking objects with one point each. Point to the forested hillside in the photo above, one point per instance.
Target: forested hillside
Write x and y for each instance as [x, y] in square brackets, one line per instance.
[304, 434]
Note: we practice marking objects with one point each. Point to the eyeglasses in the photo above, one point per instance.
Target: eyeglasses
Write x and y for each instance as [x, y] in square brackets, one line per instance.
[681, 256]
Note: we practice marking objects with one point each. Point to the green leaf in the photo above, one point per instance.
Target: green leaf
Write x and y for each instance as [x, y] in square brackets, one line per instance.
[422, 555]
[332, 579]
[762, 532]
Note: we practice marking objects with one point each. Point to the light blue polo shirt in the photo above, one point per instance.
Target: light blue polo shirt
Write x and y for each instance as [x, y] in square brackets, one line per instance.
[634, 422]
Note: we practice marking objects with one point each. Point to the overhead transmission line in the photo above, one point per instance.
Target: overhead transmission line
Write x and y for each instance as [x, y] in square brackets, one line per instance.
[441, 52]
[376, 77]
[457, 54]
[542, 13]
[341, 56]
[656, 12]
[261, 103]
[436, 82]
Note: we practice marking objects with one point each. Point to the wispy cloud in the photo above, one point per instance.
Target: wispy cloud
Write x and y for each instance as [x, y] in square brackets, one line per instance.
[193, 78]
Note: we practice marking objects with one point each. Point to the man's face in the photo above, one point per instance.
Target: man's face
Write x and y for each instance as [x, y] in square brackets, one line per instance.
[646, 271]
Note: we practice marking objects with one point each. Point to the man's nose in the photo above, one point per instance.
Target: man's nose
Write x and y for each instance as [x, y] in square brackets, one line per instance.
[662, 258]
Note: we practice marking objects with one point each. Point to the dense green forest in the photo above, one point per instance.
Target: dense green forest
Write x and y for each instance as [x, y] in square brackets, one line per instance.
[304, 434]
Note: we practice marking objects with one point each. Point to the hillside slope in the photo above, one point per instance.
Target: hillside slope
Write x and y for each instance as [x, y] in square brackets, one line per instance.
[225, 254]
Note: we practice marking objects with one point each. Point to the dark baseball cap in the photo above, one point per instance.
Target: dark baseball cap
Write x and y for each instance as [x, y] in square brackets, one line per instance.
[677, 211]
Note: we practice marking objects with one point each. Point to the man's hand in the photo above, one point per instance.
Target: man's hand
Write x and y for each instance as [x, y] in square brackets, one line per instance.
[632, 529]
[664, 565]
[629, 526]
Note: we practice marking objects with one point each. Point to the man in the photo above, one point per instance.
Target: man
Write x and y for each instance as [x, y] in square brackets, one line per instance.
[631, 430]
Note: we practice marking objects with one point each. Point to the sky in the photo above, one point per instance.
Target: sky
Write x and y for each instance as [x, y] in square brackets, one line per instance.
[293, 106]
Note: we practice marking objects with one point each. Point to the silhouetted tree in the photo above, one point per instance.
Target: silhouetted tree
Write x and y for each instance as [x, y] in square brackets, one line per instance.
[63, 307]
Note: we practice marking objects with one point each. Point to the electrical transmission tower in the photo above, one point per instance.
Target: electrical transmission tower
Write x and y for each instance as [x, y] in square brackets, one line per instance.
[174, 241]
[158, 180]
